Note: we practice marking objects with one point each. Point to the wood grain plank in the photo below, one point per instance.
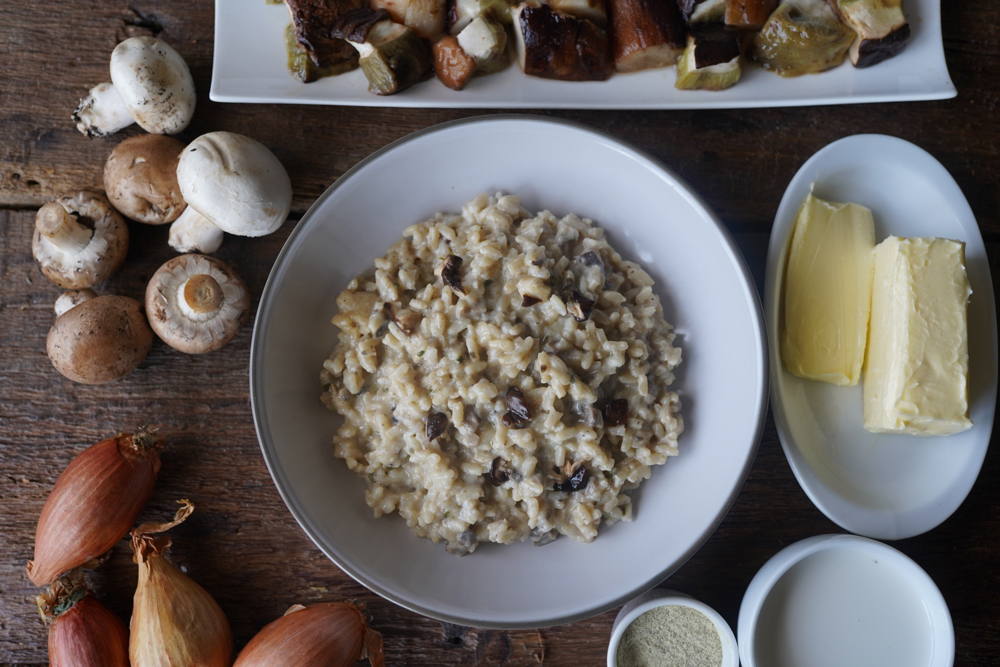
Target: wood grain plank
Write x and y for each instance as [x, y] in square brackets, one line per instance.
[242, 544]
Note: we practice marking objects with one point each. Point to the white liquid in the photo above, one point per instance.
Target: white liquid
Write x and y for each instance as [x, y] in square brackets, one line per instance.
[842, 607]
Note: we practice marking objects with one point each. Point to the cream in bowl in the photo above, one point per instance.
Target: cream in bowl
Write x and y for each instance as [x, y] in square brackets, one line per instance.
[667, 628]
[836, 600]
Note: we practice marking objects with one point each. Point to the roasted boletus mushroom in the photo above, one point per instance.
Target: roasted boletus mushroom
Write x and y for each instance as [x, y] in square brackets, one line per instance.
[233, 182]
[196, 304]
[100, 340]
[150, 85]
[79, 240]
[140, 178]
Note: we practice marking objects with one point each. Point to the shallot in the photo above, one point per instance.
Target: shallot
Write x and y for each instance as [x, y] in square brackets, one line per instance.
[174, 620]
[94, 503]
[329, 634]
[82, 632]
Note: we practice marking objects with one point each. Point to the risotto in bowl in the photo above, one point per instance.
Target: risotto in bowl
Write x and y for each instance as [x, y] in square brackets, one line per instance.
[563, 379]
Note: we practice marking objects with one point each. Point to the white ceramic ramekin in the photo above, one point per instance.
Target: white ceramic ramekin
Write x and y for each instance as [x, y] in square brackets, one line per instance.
[842, 554]
[660, 597]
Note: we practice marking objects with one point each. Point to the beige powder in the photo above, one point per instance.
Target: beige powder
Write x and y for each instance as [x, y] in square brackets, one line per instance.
[670, 636]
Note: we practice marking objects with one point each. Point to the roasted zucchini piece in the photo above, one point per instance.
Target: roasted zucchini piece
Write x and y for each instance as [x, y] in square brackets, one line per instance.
[646, 33]
[794, 42]
[881, 27]
[426, 17]
[553, 45]
[393, 56]
[702, 11]
[711, 60]
[749, 14]
[485, 41]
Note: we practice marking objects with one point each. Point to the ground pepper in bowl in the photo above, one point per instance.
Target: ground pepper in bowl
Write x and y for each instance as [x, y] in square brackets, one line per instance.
[668, 636]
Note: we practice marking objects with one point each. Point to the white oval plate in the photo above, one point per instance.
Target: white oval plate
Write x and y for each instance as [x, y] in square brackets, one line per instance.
[250, 65]
[650, 216]
[883, 486]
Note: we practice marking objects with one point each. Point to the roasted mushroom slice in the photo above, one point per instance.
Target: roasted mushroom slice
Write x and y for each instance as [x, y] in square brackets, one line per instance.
[711, 60]
[486, 41]
[317, 53]
[579, 306]
[615, 413]
[595, 11]
[196, 304]
[517, 414]
[796, 42]
[453, 66]
[451, 273]
[646, 34]
[749, 14]
[462, 12]
[882, 30]
[553, 45]
[393, 56]
[436, 425]
[426, 17]
[575, 482]
[79, 240]
[702, 11]
[498, 473]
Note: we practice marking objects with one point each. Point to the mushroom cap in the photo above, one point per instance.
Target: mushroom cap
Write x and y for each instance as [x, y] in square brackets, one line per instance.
[196, 303]
[140, 178]
[154, 84]
[100, 340]
[76, 268]
[235, 182]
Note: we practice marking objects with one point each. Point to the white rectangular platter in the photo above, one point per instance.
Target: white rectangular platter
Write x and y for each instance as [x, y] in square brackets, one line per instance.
[250, 65]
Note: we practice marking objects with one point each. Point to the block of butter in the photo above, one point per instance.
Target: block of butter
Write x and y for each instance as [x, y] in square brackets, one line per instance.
[828, 284]
[917, 370]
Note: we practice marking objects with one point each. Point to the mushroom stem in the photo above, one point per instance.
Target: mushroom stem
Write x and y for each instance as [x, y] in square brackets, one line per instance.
[62, 229]
[102, 112]
[193, 232]
[201, 294]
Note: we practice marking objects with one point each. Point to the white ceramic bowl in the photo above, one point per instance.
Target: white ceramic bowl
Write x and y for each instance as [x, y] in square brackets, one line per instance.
[659, 597]
[649, 216]
[837, 600]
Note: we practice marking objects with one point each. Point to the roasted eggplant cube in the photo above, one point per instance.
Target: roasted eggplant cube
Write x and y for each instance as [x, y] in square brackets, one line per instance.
[882, 30]
[794, 42]
[552, 45]
[711, 60]
[426, 17]
[646, 34]
[749, 14]
[702, 11]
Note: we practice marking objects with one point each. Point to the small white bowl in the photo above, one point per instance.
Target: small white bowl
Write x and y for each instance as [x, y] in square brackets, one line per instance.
[660, 597]
[844, 600]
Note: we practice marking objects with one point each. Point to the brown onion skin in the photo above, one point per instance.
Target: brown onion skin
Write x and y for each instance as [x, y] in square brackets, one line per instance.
[94, 503]
[329, 634]
[175, 622]
[88, 635]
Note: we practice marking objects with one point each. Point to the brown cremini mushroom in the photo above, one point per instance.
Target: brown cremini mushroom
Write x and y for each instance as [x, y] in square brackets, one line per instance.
[196, 304]
[100, 340]
[72, 299]
[79, 240]
[140, 178]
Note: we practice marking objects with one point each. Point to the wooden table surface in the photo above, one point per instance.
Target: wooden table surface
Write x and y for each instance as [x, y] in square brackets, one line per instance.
[242, 544]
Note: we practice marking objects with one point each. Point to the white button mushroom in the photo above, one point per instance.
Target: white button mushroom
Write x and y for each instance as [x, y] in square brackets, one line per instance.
[79, 240]
[100, 340]
[140, 178]
[196, 304]
[150, 85]
[193, 232]
[234, 182]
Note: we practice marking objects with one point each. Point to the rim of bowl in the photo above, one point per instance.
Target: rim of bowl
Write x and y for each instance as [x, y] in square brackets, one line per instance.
[943, 655]
[284, 488]
[664, 597]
